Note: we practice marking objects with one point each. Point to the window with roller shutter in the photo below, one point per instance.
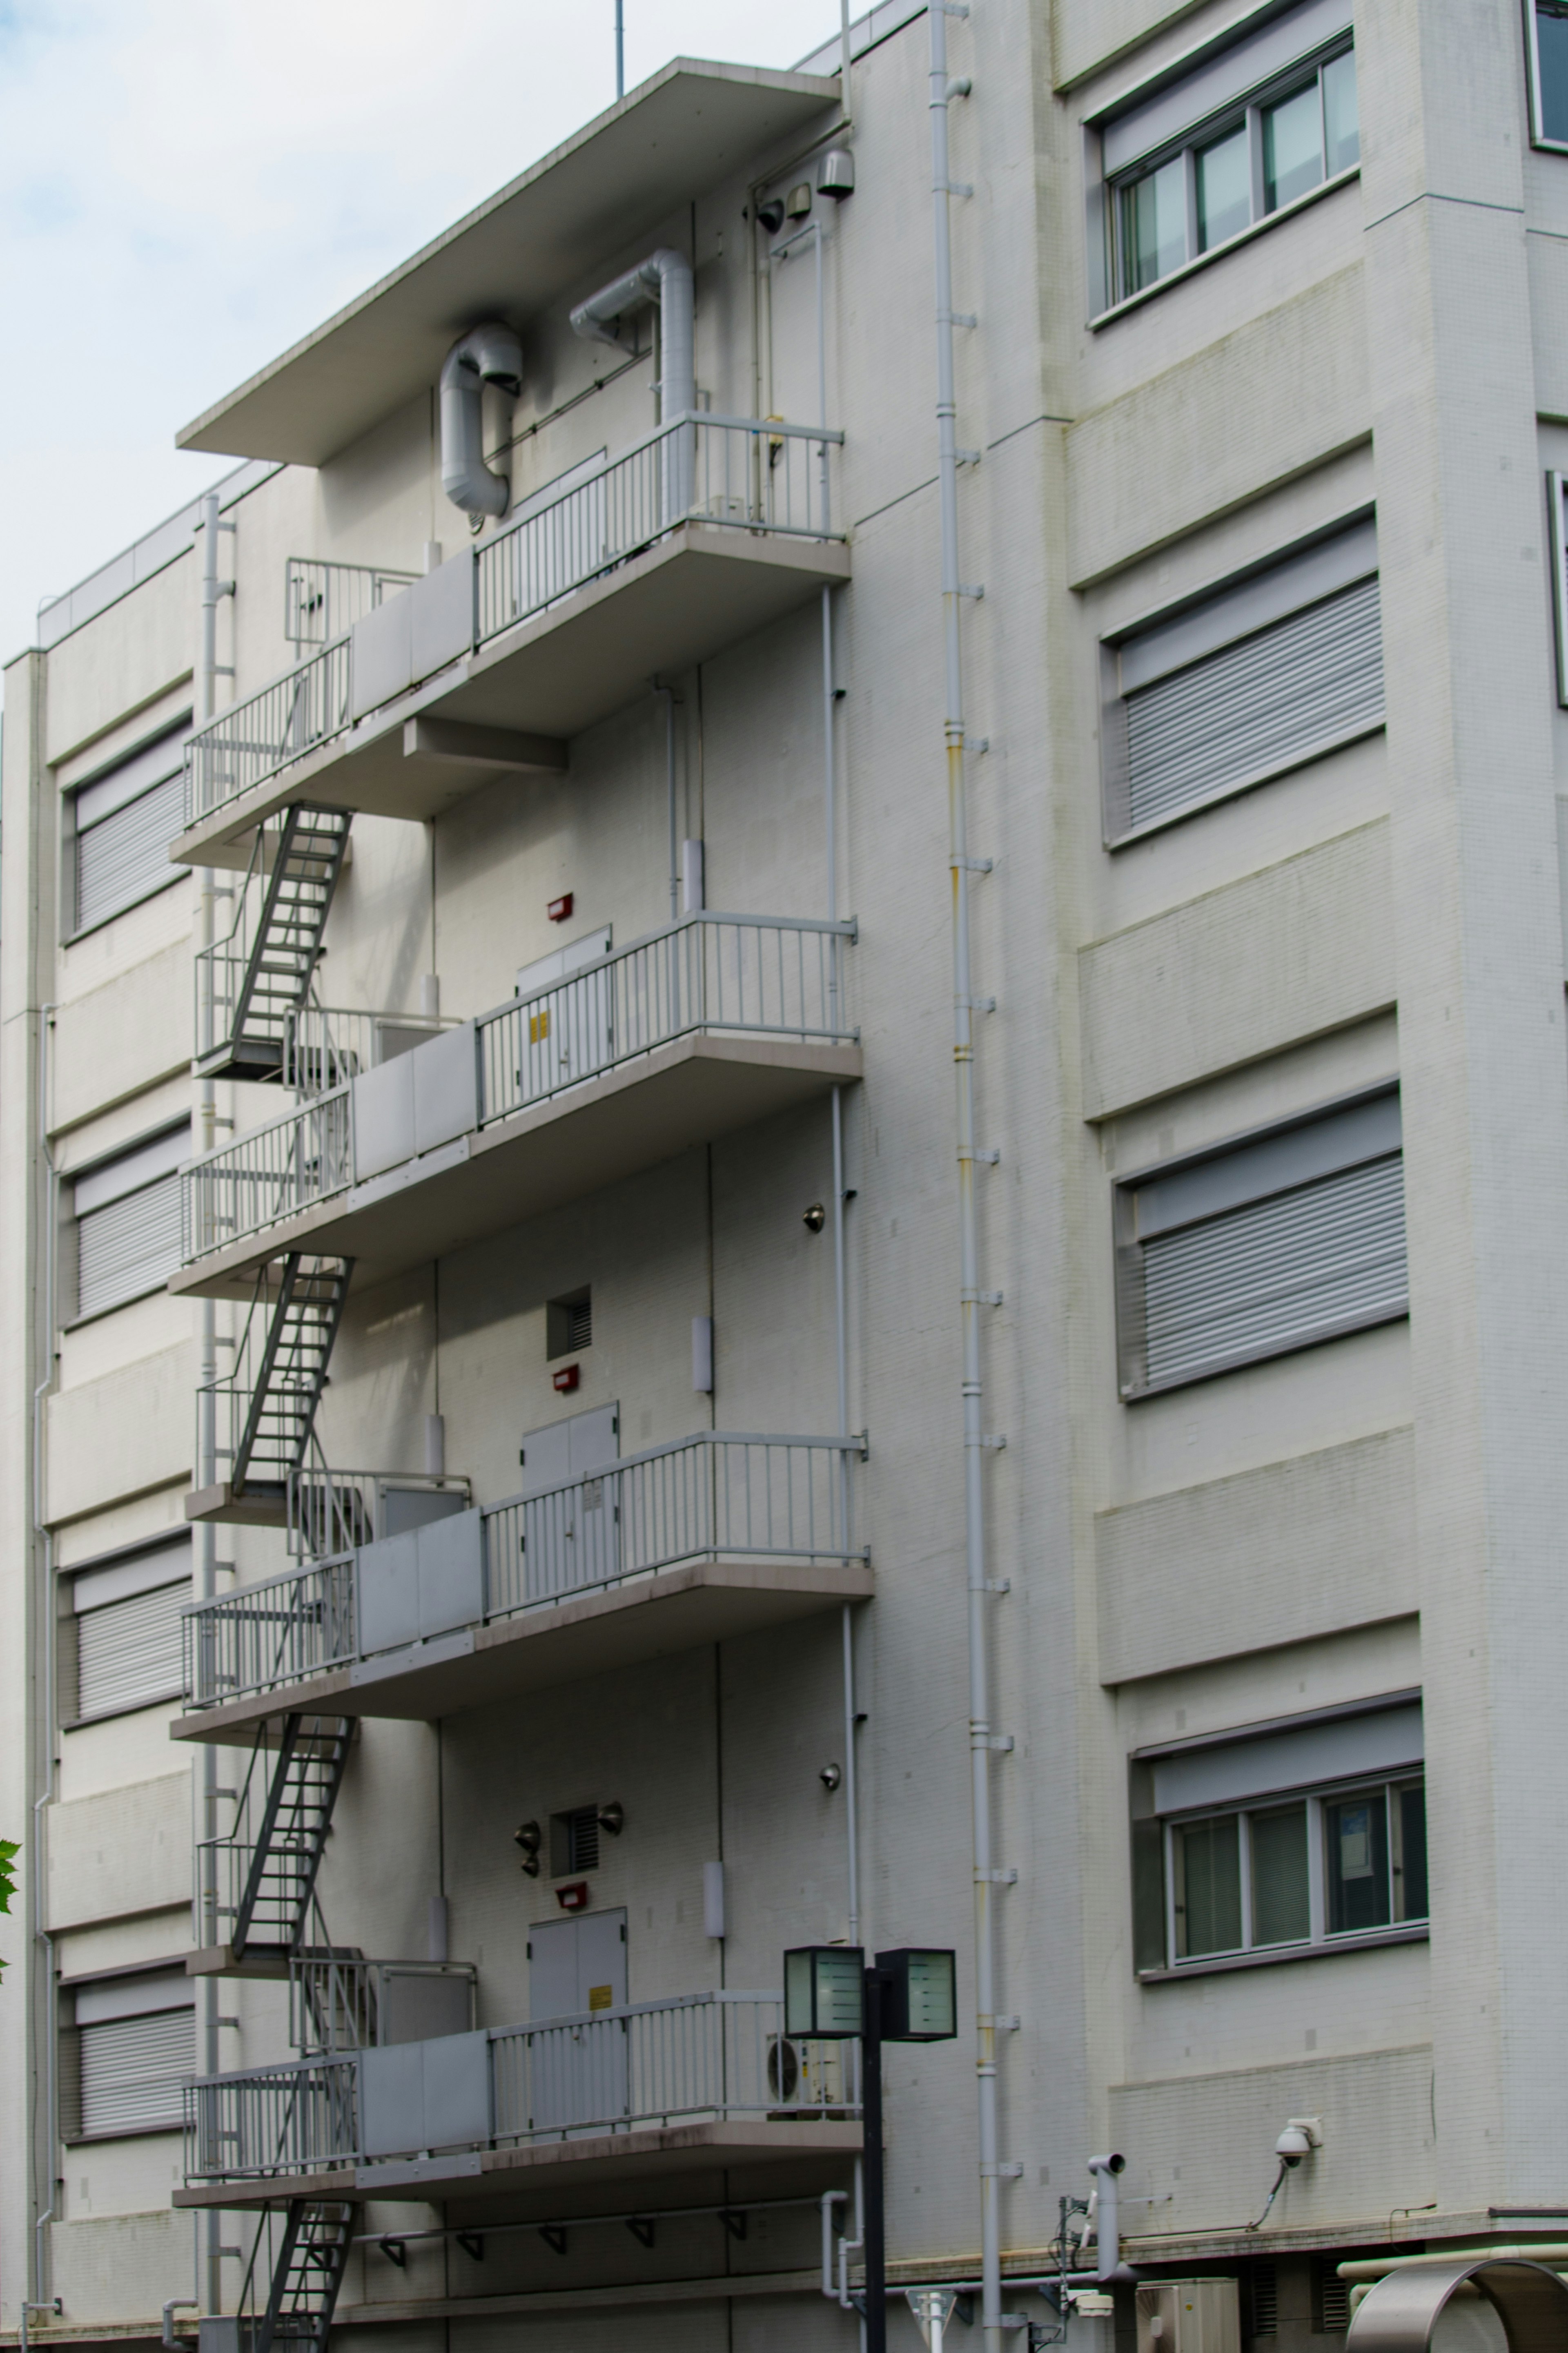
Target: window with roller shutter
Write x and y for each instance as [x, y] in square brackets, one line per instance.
[121, 822]
[129, 1631]
[136, 2046]
[128, 1231]
[1244, 684]
[1277, 1242]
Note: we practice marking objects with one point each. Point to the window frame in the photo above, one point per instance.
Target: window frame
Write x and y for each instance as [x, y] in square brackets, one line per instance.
[1314, 1744]
[1133, 1384]
[1320, 1937]
[1273, 84]
[136, 1560]
[1537, 134]
[72, 1219]
[1294, 561]
[71, 928]
[73, 2132]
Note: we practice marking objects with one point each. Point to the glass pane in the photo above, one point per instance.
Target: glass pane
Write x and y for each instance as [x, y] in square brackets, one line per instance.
[1292, 147]
[1225, 189]
[1410, 1901]
[1551, 42]
[1208, 1887]
[1357, 1829]
[1341, 128]
[1154, 226]
[1280, 1906]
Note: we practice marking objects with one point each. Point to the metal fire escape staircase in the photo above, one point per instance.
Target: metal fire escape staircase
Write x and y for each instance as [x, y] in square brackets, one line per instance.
[276, 1386]
[255, 985]
[284, 1856]
[307, 2274]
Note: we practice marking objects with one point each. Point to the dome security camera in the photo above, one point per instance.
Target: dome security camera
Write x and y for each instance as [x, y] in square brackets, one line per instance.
[1301, 2137]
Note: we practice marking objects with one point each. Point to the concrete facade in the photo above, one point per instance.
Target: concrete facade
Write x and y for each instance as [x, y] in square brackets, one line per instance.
[1301, 1540]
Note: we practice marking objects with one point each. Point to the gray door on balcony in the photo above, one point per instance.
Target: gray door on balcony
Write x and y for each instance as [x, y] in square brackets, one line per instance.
[568, 1034]
[571, 1533]
[581, 2074]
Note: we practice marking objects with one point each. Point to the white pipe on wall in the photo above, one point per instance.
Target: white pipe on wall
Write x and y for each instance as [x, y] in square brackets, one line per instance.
[664, 277]
[979, 1588]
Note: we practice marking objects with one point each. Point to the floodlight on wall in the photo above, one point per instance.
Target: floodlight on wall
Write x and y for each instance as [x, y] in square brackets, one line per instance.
[613, 1818]
[814, 1219]
[831, 1777]
[770, 212]
[529, 1838]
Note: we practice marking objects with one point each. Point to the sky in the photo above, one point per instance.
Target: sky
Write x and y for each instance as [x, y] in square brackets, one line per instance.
[186, 187]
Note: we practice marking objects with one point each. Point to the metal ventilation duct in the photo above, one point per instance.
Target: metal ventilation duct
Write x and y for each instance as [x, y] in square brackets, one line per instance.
[487, 354]
[664, 277]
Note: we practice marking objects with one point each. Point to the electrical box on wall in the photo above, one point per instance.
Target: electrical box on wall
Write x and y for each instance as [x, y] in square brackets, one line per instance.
[1190, 2316]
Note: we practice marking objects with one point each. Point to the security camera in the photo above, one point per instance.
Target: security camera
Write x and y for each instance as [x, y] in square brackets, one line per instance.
[1301, 2137]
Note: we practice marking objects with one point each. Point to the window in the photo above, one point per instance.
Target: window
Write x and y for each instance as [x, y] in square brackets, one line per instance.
[128, 1232]
[1547, 45]
[1240, 135]
[136, 2044]
[1244, 683]
[1294, 1837]
[1295, 1236]
[124, 821]
[128, 1631]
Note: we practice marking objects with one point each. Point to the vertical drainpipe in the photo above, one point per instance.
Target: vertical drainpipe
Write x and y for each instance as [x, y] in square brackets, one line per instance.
[963, 1060]
[37, 1876]
[211, 2281]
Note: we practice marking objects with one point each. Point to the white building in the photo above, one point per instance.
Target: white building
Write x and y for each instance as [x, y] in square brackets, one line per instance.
[526, 1343]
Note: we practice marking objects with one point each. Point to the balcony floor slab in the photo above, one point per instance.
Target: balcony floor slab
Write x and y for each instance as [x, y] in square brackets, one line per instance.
[796, 2152]
[647, 1617]
[679, 602]
[613, 1126]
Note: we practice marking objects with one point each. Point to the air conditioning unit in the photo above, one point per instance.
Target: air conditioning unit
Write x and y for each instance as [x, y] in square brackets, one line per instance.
[1189, 2316]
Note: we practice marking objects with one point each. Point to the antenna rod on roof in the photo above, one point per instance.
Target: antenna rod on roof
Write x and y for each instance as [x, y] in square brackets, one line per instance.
[620, 49]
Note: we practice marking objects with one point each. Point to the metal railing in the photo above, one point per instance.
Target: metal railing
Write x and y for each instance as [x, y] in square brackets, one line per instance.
[268, 731]
[322, 601]
[326, 1045]
[720, 1494]
[708, 2055]
[775, 977]
[339, 2000]
[753, 474]
[302, 1156]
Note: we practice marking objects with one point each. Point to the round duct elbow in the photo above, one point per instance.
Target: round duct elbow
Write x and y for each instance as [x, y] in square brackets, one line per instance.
[487, 354]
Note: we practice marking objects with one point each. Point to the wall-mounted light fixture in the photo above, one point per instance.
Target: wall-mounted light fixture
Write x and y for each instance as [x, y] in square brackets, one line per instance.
[770, 212]
[831, 1777]
[814, 1219]
[529, 1838]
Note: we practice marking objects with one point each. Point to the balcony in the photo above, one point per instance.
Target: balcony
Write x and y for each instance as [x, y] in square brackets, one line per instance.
[692, 1543]
[707, 530]
[645, 2092]
[707, 1025]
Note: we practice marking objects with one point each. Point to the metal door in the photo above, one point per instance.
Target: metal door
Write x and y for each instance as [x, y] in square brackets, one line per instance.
[581, 2074]
[567, 1029]
[570, 1536]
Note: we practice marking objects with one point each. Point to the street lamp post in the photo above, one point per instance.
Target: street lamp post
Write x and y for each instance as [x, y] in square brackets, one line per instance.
[831, 1994]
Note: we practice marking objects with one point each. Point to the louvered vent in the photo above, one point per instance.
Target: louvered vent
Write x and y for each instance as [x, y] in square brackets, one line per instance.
[126, 854]
[128, 1247]
[132, 2072]
[1276, 1273]
[1251, 709]
[128, 1652]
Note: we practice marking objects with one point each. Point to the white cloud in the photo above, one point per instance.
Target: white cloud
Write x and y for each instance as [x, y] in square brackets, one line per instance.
[187, 186]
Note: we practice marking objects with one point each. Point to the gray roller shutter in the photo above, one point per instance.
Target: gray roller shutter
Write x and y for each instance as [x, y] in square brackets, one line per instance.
[128, 1652]
[1323, 1257]
[128, 1247]
[1279, 697]
[133, 2071]
[122, 843]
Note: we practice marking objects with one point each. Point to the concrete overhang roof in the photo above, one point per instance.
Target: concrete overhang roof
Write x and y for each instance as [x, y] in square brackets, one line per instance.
[679, 133]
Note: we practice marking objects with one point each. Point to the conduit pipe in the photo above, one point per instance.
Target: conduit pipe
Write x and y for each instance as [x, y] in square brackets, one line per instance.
[665, 278]
[960, 866]
[487, 354]
[36, 1875]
